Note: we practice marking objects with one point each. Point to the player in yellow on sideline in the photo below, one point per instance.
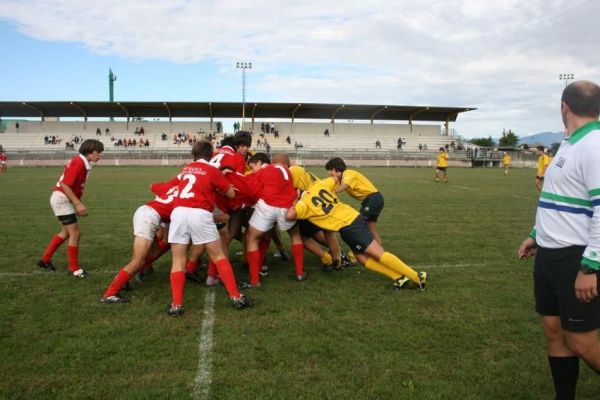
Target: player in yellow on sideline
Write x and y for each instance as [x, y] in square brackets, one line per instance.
[506, 160]
[321, 206]
[441, 165]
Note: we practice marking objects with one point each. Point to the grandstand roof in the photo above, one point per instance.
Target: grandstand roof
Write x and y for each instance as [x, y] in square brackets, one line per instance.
[130, 109]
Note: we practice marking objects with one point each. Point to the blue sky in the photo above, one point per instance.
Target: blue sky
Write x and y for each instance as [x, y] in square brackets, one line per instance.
[503, 57]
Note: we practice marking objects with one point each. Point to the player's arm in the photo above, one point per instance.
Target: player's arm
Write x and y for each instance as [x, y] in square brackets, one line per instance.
[80, 208]
[291, 214]
[342, 187]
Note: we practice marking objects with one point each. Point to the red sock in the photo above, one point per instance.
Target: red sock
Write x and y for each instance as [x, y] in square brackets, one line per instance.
[191, 267]
[223, 266]
[298, 253]
[177, 286]
[253, 259]
[212, 269]
[52, 246]
[73, 253]
[122, 278]
[163, 246]
[263, 247]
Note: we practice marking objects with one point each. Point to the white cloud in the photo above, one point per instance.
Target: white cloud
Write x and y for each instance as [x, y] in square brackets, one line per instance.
[501, 56]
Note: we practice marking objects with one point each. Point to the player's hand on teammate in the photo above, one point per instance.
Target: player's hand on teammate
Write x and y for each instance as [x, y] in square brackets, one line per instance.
[527, 249]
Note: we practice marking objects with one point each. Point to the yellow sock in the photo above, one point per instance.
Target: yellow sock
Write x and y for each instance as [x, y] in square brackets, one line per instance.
[378, 267]
[326, 258]
[393, 262]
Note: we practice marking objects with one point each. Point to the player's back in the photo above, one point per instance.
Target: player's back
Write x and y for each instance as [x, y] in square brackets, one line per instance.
[277, 186]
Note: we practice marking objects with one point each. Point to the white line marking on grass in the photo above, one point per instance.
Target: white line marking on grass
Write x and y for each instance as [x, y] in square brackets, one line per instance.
[57, 273]
[202, 381]
[460, 265]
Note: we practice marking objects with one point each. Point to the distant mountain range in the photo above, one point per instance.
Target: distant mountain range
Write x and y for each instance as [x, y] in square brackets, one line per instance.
[544, 138]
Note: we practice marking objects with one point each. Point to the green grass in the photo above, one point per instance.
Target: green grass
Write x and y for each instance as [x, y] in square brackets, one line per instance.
[472, 335]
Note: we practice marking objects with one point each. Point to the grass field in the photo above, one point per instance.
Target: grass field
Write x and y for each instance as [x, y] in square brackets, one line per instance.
[472, 335]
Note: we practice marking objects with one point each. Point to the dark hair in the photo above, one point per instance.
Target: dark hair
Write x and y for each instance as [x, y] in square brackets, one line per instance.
[442, 149]
[262, 157]
[583, 98]
[242, 138]
[227, 141]
[91, 145]
[202, 150]
[540, 148]
[337, 164]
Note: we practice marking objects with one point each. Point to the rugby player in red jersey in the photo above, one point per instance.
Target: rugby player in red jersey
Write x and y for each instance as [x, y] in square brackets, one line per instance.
[192, 221]
[3, 161]
[66, 204]
[277, 193]
[147, 221]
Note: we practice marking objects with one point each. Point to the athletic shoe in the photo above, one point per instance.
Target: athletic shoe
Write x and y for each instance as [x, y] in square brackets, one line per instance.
[285, 256]
[139, 276]
[126, 287]
[302, 277]
[348, 260]
[401, 283]
[175, 310]
[248, 285]
[338, 264]
[194, 278]
[81, 274]
[422, 280]
[210, 281]
[241, 302]
[46, 265]
[264, 268]
[113, 300]
[328, 267]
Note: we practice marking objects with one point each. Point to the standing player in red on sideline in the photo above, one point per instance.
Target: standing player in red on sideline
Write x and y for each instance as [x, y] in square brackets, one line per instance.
[66, 204]
[3, 161]
[192, 221]
[147, 220]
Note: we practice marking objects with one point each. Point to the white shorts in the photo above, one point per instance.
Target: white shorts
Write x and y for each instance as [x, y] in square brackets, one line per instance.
[266, 217]
[146, 222]
[192, 224]
[60, 203]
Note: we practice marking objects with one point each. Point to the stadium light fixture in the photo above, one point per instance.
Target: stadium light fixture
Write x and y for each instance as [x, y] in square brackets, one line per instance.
[566, 77]
[243, 66]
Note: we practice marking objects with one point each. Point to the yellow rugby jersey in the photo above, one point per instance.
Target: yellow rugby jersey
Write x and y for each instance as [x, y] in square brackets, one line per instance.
[321, 206]
[359, 186]
[506, 159]
[442, 159]
[302, 178]
[543, 162]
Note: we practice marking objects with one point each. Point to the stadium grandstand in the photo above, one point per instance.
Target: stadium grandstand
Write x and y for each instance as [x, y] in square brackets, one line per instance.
[161, 133]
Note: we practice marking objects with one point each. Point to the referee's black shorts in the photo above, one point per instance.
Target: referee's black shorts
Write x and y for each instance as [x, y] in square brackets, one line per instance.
[554, 276]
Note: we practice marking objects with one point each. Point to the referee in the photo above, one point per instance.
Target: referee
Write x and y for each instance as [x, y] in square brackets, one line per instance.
[566, 242]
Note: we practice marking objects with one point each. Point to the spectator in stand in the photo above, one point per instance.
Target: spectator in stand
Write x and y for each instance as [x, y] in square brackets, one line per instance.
[107, 131]
[66, 204]
[288, 140]
[136, 131]
[142, 132]
[377, 144]
[98, 132]
[272, 127]
[163, 136]
[399, 147]
[326, 133]
[17, 127]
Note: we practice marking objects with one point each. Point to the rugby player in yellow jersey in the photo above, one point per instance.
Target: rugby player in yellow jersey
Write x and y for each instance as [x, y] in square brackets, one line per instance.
[542, 164]
[441, 165]
[506, 160]
[359, 187]
[321, 206]
[312, 235]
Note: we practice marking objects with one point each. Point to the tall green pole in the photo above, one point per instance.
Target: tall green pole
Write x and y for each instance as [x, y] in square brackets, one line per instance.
[111, 87]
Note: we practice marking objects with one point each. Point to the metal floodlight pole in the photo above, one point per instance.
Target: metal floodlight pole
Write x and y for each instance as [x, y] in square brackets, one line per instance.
[243, 66]
[566, 77]
[111, 87]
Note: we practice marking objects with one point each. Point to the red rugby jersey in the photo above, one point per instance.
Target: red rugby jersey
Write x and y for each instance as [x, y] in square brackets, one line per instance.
[277, 185]
[75, 175]
[165, 194]
[198, 183]
[226, 156]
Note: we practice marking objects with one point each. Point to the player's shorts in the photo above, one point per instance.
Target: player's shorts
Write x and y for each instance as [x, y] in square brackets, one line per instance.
[194, 225]
[62, 208]
[443, 169]
[372, 206]
[307, 228]
[2, 162]
[146, 221]
[266, 217]
[554, 276]
[357, 235]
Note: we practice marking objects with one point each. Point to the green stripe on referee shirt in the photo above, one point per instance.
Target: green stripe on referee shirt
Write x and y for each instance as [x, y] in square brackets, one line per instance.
[565, 199]
[594, 192]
